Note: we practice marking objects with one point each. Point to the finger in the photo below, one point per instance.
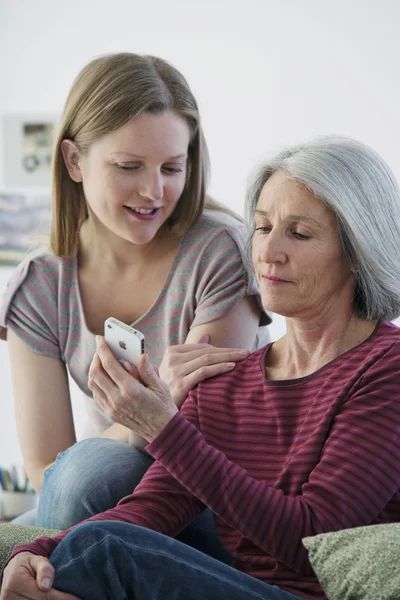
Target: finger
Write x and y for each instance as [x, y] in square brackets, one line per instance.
[222, 353]
[198, 349]
[205, 372]
[198, 359]
[130, 368]
[110, 364]
[148, 373]
[99, 396]
[44, 571]
[103, 380]
[95, 365]
[204, 339]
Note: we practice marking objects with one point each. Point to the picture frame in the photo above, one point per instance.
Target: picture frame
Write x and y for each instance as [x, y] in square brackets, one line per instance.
[28, 142]
[25, 222]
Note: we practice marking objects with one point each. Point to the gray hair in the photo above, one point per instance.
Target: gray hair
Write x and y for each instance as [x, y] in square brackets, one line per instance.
[359, 187]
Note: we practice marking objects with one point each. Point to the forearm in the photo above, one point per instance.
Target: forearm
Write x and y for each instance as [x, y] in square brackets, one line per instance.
[159, 503]
[137, 441]
[116, 432]
[260, 512]
[125, 435]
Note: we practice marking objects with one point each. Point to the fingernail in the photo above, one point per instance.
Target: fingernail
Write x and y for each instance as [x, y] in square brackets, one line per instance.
[126, 365]
[230, 365]
[46, 583]
[206, 339]
[97, 338]
[244, 352]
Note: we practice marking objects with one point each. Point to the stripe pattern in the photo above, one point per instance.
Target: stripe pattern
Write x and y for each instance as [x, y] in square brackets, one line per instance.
[277, 461]
[42, 303]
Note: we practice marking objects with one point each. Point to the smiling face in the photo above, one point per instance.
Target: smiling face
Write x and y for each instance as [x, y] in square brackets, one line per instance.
[297, 254]
[134, 176]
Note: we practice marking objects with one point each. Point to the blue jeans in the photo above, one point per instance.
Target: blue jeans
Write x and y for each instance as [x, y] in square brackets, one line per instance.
[109, 560]
[93, 476]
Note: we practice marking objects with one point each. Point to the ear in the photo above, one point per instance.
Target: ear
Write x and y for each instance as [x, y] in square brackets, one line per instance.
[71, 157]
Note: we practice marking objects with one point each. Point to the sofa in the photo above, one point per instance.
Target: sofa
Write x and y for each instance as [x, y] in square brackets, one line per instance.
[362, 563]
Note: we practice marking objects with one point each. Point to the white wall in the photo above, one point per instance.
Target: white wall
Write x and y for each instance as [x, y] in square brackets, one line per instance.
[266, 73]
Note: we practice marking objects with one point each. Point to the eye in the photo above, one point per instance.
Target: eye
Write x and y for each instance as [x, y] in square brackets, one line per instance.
[263, 230]
[127, 167]
[301, 236]
[172, 170]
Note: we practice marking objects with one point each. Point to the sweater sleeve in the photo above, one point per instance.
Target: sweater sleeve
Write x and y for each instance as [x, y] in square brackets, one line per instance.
[29, 307]
[222, 278]
[357, 476]
[159, 503]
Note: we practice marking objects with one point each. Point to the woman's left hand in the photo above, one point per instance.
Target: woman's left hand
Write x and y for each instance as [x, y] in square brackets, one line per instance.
[144, 406]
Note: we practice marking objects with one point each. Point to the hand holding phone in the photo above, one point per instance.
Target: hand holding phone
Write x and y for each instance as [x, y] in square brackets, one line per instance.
[125, 342]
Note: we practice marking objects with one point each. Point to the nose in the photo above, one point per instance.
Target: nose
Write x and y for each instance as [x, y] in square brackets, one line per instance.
[272, 248]
[151, 186]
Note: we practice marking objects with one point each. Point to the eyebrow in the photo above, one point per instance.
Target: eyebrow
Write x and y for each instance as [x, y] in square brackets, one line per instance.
[137, 156]
[263, 213]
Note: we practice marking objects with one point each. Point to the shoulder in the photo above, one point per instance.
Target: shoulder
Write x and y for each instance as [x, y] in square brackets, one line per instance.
[372, 365]
[215, 236]
[35, 281]
[216, 224]
[386, 338]
[43, 263]
[383, 346]
[246, 376]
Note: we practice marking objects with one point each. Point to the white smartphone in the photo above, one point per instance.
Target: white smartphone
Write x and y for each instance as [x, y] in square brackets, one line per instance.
[125, 342]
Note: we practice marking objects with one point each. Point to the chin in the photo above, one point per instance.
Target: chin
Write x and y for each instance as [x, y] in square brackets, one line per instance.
[141, 240]
[280, 308]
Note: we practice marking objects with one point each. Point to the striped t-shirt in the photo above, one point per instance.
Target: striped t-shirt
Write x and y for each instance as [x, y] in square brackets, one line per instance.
[277, 461]
[43, 307]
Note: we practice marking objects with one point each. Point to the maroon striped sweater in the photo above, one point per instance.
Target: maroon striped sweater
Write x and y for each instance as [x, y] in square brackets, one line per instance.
[277, 461]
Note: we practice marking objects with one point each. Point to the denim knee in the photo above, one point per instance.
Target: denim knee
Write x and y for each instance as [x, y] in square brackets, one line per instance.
[88, 478]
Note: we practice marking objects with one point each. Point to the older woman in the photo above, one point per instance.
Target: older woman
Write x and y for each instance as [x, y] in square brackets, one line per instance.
[302, 437]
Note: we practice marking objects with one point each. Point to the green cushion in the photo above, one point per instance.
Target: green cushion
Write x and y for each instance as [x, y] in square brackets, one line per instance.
[361, 563]
[15, 535]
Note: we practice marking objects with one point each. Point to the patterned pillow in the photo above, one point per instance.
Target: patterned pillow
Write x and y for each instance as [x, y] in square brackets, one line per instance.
[12, 536]
[358, 564]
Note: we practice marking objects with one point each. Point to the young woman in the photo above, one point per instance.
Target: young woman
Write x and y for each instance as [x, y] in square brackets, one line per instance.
[133, 237]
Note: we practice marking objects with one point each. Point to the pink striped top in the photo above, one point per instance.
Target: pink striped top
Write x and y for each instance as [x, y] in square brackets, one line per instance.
[42, 303]
[277, 461]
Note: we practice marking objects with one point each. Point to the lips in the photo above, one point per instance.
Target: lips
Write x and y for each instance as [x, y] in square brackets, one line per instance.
[141, 213]
[274, 280]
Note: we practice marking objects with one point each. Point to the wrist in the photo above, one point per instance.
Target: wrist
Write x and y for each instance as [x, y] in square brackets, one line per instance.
[163, 422]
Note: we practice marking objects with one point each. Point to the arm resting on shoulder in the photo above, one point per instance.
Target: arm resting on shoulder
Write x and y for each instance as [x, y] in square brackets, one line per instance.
[238, 329]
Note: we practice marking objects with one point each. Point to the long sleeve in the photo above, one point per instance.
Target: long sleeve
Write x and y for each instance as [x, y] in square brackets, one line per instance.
[355, 477]
[278, 461]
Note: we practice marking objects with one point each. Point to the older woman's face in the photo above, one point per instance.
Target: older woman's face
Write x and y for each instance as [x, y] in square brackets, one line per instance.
[297, 254]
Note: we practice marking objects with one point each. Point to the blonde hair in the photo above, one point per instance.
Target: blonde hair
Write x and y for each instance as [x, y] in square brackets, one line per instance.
[105, 95]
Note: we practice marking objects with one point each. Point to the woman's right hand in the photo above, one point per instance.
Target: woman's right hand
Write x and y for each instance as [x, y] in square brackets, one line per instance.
[186, 365]
[30, 577]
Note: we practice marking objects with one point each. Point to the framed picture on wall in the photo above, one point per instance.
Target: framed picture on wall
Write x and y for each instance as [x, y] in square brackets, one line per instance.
[25, 218]
[28, 142]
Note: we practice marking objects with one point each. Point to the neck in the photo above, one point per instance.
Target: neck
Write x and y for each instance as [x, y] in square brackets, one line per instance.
[106, 249]
[309, 344]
